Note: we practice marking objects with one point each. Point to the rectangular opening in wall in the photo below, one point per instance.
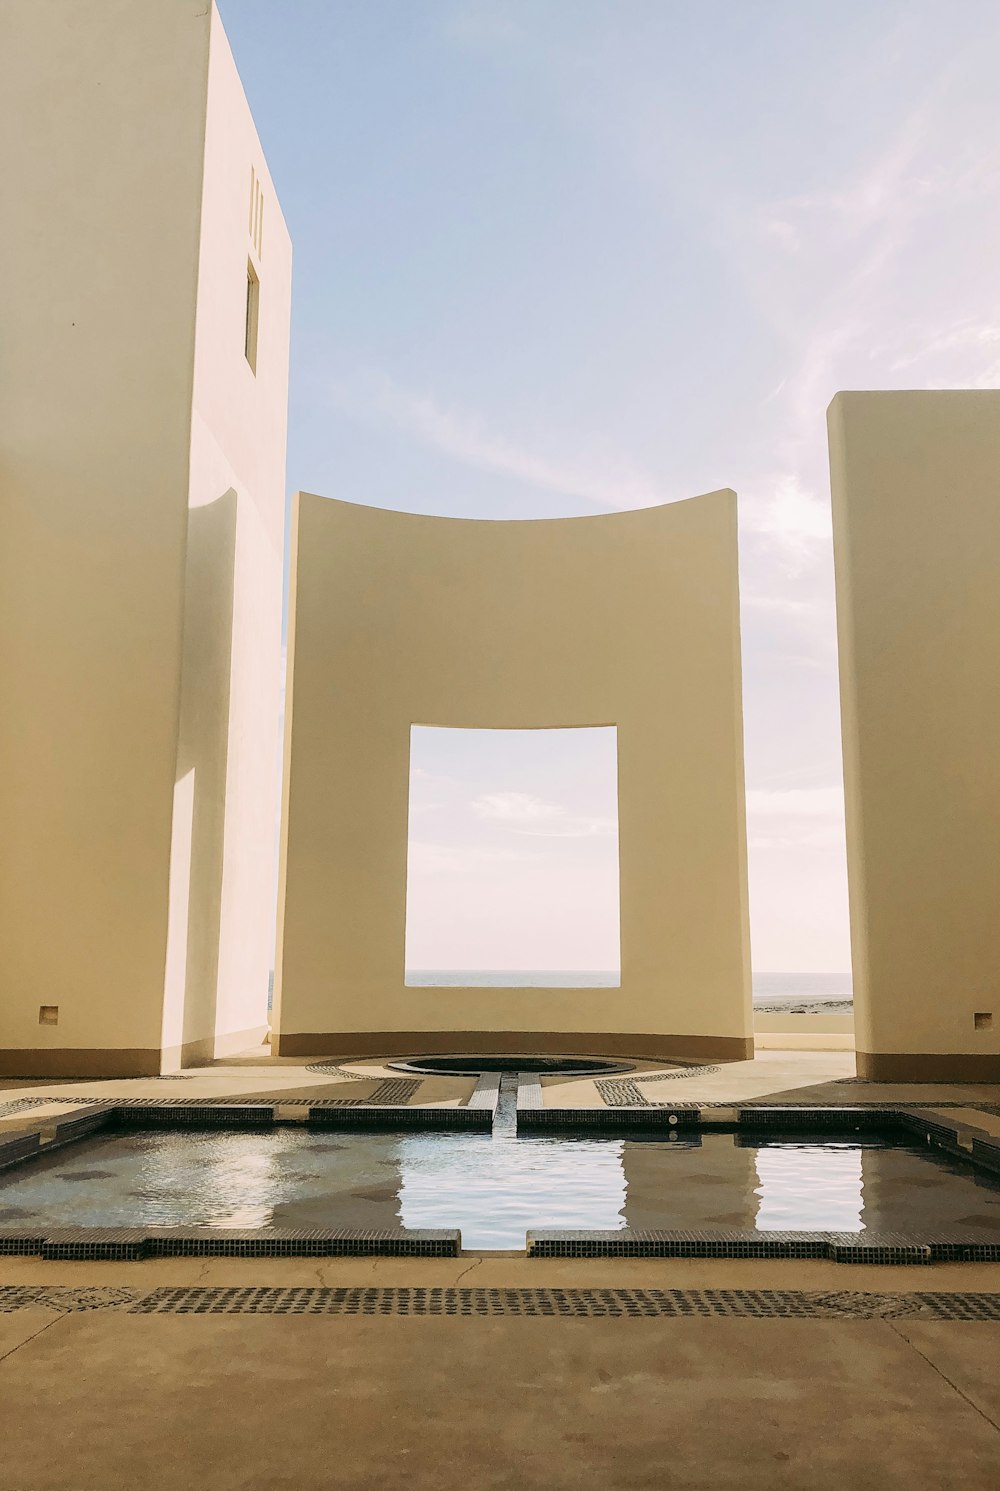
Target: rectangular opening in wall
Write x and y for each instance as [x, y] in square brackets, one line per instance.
[48, 1014]
[983, 1020]
[253, 313]
[512, 867]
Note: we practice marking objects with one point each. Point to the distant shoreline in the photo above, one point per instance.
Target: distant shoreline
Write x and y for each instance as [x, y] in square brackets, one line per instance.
[777, 993]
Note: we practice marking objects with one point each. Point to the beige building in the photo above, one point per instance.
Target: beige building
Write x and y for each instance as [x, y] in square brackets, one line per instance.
[143, 397]
[628, 619]
[916, 507]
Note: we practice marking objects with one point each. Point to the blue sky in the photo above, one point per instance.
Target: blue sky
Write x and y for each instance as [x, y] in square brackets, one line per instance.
[559, 256]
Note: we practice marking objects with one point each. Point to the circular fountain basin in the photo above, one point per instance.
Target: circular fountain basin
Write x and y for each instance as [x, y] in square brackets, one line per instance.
[473, 1066]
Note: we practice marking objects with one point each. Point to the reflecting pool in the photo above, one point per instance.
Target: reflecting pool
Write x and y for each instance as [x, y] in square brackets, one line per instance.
[495, 1187]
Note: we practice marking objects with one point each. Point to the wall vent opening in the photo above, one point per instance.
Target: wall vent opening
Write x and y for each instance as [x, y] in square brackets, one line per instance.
[253, 315]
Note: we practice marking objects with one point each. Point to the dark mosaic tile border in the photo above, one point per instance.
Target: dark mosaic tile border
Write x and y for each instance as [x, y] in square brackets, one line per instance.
[533, 1118]
[882, 1248]
[211, 1113]
[173, 1113]
[369, 1117]
[834, 1304]
[13, 1151]
[129, 1244]
[808, 1103]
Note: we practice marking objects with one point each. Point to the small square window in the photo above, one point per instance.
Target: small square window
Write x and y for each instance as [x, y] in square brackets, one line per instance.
[983, 1020]
[253, 313]
[48, 1014]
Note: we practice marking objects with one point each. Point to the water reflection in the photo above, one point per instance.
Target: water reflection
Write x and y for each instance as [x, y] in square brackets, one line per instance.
[235, 1185]
[809, 1188]
[502, 1188]
[496, 1187]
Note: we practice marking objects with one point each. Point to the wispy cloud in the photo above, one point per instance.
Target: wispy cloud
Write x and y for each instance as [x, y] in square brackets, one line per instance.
[515, 807]
[522, 813]
[463, 435]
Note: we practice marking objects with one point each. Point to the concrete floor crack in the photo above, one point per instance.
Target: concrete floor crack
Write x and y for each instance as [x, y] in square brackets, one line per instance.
[944, 1376]
[474, 1264]
[34, 1336]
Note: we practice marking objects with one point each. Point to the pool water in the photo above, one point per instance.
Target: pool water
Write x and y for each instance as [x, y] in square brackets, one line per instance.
[495, 1187]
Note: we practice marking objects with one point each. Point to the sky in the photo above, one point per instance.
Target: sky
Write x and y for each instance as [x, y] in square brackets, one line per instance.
[556, 257]
[513, 850]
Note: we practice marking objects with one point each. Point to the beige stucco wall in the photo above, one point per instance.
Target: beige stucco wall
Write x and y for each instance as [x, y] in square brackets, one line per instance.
[629, 619]
[916, 504]
[224, 833]
[106, 345]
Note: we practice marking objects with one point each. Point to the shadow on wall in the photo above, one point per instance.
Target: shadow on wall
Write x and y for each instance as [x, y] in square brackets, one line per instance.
[196, 869]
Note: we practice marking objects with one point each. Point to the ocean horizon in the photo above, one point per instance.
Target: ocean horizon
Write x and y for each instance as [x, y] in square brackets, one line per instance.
[767, 987]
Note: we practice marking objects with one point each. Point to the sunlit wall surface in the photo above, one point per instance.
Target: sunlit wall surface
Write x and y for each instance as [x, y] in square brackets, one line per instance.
[627, 620]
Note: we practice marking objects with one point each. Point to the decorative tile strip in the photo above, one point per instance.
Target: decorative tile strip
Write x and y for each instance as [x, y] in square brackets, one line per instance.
[877, 1248]
[93, 1244]
[219, 1242]
[395, 1090]
[85, 1123]
[365, 1115]
[987, 1152]
[621, 1092]
[129, 1244]
[331, 1069]
[570, 1303]
[836, 1304]
[66, 1299]
[662, 1118]
[22, 1105]
[12, 1151]
[792, 1118]
[199, 1114]
[626, 1092]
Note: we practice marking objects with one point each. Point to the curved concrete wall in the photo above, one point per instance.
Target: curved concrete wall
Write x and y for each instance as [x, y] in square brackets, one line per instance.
[629, 619]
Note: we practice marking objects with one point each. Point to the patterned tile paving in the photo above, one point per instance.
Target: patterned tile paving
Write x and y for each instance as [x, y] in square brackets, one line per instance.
[626, 1092]
[331, 1069]
[23, 1105]
[523, 1303]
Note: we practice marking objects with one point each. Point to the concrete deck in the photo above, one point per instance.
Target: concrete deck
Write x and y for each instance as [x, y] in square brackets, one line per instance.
[104, 1400]
[109, 1401]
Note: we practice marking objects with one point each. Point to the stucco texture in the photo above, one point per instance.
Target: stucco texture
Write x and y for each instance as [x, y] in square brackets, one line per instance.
[628, 619]
[141, 507]
[916, 507]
